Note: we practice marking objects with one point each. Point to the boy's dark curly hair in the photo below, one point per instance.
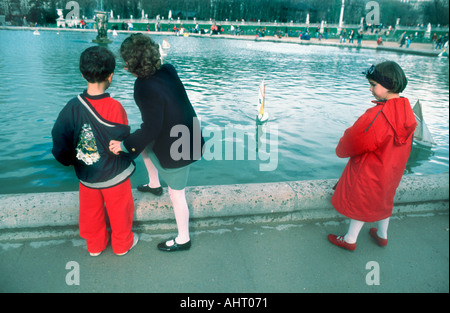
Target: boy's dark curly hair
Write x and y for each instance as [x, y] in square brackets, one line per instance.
[141, 55]
[97, 63]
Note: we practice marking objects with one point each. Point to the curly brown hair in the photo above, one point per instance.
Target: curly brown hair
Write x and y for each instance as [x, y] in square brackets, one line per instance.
[141, 55]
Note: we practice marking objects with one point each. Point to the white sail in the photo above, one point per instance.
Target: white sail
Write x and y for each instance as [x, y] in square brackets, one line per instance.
[162, 53]
[444, 53]
[165, 44]
[262, 115]
[422, 134]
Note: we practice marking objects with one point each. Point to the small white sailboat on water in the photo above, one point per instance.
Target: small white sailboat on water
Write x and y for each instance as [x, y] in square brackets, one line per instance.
[162, 53]
[444, 53]
[163, 49]
[165, 44]
[262, 116]
[422, 135]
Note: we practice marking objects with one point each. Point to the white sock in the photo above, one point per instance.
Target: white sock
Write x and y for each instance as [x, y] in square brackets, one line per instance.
[153, 178]
[353, 231]
[181, 210]
[382, 228]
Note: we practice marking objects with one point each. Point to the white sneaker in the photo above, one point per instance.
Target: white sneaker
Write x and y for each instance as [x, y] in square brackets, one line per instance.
[98, 253]
[135, 241]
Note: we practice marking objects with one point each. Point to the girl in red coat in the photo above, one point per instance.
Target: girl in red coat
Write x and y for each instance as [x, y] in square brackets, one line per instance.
[378, 144]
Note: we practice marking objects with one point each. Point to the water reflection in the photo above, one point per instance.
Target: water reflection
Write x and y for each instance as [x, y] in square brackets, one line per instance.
[313, 94]
[419, 155]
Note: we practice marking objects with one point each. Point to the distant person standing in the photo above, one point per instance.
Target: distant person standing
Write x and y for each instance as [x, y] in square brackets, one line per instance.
[360, 37]
[408, 41]
[343, 36]
[402, 39]
[433, 40]
[439, 43]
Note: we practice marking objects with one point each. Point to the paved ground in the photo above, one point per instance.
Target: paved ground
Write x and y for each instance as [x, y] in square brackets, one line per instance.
[264, 258]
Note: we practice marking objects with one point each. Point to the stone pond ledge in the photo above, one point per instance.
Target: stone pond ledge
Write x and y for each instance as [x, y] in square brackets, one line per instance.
[212, 206]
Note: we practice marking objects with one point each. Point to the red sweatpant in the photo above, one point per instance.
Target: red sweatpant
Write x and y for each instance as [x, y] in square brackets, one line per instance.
[119, 204]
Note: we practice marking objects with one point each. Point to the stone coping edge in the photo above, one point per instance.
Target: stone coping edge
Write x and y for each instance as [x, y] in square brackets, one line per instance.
[309, 199]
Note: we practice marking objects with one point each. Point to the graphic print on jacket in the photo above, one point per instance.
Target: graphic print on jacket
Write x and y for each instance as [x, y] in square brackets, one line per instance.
[81, 138]
[87, 148]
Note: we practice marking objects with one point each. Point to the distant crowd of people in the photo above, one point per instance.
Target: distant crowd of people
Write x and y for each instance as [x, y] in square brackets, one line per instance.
[215, 29]
[439, 42]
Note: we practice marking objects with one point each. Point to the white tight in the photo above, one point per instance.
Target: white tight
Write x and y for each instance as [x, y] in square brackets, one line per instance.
[153, 178]
[178, 198]
[181, 210]
[355, 228]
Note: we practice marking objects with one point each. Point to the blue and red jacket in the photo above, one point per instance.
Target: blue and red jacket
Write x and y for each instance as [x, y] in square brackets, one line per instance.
[81, 138]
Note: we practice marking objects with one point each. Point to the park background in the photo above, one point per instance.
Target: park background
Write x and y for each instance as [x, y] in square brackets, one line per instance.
[287, 16]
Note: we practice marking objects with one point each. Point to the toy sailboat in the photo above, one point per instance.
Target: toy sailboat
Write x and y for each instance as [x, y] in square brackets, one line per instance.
[444, 53]
[165, 44]
[262, 115]
[422, 135]
[163, 49]
[162, 53]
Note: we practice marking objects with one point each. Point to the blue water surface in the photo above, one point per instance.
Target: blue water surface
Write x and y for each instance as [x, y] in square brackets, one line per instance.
[313, 93]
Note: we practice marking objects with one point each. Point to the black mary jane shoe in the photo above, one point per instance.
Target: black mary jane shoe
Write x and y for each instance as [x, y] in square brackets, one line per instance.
[175, 247]
[145, 188]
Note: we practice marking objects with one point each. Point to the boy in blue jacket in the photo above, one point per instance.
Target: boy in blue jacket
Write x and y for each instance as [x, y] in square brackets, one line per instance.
[81, 137]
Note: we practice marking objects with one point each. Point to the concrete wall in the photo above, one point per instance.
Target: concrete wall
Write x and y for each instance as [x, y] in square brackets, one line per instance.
[298, 200]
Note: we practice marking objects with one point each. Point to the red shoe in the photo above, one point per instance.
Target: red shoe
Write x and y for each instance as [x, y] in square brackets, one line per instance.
[381, 242]
[340, 242]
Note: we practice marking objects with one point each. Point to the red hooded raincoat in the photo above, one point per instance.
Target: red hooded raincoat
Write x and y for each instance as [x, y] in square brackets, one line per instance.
[378, 144]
